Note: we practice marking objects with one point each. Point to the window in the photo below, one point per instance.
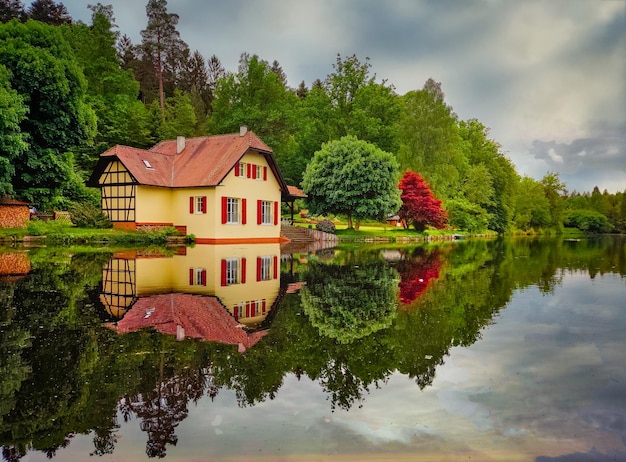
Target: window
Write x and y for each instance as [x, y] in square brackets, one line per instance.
[233, 271]
[232, 210]
[258, 174]
[197, 204]
[147, 164]
[240, 310]
[250, 308]
[265, 212]
[197, 276]
[266, 268]
[240, 170]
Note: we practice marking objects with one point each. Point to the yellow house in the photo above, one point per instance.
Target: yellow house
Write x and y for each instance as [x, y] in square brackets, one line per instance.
[221, 189]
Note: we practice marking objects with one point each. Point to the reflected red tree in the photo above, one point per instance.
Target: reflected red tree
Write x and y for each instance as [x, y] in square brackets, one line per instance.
[416, 273]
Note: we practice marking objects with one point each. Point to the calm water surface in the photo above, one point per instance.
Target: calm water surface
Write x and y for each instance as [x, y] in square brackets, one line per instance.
[476, 350]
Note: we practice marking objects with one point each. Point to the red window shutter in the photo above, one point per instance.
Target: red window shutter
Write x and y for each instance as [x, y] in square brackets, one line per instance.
[191, 276]
[224, 209]
[275, 267]
[264, 306]
[264, 173]
[259, 212]
[247, 309]
[237, 169]
[203, 276]
[191, 203]
[249, 170]
[236, 312]
[223, 273]
[259, 262]
[203, 204]
[244, 213]
[243, 270]
[276, 213]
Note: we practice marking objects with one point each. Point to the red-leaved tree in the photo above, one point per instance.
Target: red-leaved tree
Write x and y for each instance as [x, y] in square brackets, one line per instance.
[419, 206]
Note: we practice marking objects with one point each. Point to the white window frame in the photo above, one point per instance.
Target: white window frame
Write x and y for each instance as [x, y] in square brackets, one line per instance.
[259, 172]
[242, 170]
[267, 210]
[233, 216]
[198, 205]
[266, 268]
[233, 266]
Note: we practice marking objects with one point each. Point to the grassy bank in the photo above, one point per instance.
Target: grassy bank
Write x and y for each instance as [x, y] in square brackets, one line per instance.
[63, 233]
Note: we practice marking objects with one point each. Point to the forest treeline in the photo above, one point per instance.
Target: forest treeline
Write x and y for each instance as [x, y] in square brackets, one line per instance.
[70, 90]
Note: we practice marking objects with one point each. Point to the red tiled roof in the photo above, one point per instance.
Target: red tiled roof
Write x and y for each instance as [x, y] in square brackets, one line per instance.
[295, 191]
[204, 161]
[201, 317]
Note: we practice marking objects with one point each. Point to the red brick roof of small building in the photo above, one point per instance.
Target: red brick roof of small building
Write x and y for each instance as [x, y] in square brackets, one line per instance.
[202, 317]
[9, 201]
[204, 161]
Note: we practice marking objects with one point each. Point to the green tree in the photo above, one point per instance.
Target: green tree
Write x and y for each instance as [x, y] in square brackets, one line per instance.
[354, 178]
[429, 139]
[11, 9]
[588, 220]
[555, 192]
[162, 46]
[488, 164]
[12, 144]
[361, 107]
[256, 96]
[112, 91]
[179, 117]
[50, 12]
[43, 71]
[532, 209]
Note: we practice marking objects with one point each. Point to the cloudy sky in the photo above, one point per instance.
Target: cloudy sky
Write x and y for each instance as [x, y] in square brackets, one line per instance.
[548, 77]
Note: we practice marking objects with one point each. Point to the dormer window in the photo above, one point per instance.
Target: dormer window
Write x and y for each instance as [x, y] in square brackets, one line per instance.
[147, 164]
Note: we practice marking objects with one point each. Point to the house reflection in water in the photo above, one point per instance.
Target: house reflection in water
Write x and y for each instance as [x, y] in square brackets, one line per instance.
[218, 293]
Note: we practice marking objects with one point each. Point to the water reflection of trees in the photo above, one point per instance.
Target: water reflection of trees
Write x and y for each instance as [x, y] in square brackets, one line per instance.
[62, 373]
[350, 302]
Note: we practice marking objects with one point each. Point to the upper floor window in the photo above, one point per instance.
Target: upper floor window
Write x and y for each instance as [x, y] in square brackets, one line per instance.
[240, 170]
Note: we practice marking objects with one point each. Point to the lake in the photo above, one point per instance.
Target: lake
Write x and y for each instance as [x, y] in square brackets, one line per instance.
[489, 350]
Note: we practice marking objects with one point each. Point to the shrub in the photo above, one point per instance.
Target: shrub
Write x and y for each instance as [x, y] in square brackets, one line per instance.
[326, 226]
[88, 216]
[42, 228]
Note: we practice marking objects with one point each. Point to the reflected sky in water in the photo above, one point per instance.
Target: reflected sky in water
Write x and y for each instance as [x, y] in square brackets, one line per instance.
[547, 379]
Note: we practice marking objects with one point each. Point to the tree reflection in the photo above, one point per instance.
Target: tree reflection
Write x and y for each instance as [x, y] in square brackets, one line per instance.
[350, 302]
[417, 269]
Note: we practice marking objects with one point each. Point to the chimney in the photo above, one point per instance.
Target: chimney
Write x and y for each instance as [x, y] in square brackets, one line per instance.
[243, 130]
[180, 144]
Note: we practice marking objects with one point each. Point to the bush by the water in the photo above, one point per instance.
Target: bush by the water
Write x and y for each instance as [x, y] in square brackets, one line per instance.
[88, 216]
[326, 226]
